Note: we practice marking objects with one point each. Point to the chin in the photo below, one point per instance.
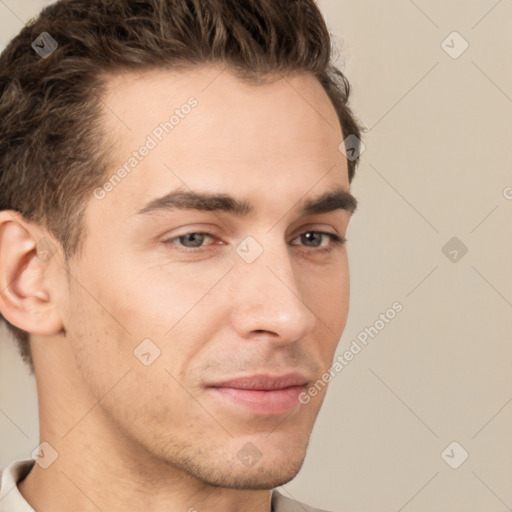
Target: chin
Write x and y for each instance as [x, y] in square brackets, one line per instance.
[264, 481]
[263, 475]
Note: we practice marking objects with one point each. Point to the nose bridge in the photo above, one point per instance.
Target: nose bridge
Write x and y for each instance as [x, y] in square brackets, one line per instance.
[267, 296]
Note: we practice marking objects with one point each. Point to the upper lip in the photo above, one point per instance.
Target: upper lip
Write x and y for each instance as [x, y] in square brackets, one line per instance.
[264, 382]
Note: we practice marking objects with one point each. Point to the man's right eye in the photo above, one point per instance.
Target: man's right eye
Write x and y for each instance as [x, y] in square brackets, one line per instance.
[189, 240]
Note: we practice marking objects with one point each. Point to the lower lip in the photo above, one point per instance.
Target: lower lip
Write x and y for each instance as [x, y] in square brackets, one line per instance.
[273, 402]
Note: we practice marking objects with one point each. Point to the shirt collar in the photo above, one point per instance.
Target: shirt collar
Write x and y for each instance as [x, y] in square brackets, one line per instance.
[11, 499]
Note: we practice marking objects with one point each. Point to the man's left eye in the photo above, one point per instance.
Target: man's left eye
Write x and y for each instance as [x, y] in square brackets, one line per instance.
[315, 238]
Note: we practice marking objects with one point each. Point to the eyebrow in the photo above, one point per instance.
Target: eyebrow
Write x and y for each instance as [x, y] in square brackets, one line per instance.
[336, 199]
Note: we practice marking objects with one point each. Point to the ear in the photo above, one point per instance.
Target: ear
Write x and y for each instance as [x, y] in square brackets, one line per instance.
[28, 265]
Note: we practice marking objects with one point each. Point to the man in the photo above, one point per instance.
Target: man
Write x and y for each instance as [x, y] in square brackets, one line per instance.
[174, 204]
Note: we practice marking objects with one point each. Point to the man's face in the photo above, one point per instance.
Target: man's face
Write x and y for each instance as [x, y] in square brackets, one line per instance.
[213, 307]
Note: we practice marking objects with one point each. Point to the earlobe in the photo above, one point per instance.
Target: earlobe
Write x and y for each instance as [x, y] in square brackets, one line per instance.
[26, 260]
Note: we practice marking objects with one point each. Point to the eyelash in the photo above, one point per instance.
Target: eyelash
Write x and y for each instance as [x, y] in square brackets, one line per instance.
[336, 240]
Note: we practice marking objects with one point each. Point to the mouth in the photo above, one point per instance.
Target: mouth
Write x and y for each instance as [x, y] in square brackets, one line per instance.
[264, 395]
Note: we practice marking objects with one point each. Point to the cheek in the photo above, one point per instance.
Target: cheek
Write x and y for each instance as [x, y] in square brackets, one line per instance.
[336, 302]
[327, 292]
[147, 308]
[329, 295]
[98, 327]
[150, 298]
[97, 341]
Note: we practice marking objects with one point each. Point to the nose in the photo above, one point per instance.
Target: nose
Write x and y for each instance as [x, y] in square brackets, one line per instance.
[268, 299]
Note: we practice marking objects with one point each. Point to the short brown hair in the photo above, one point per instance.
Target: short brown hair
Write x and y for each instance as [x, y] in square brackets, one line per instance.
[52, 147]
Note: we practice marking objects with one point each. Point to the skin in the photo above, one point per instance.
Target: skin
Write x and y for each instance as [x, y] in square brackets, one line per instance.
[155, 437]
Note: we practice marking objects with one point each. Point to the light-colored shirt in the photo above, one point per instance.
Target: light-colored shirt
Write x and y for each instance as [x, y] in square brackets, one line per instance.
[11, 499]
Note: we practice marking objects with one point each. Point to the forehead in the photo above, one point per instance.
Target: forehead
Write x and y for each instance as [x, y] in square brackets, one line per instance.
[208, 130]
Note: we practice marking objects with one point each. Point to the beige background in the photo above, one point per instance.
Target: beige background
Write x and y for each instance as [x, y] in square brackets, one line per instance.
[437, 165]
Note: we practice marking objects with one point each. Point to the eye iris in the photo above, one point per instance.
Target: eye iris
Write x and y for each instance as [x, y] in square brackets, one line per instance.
[196, 239]
[316, 238]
